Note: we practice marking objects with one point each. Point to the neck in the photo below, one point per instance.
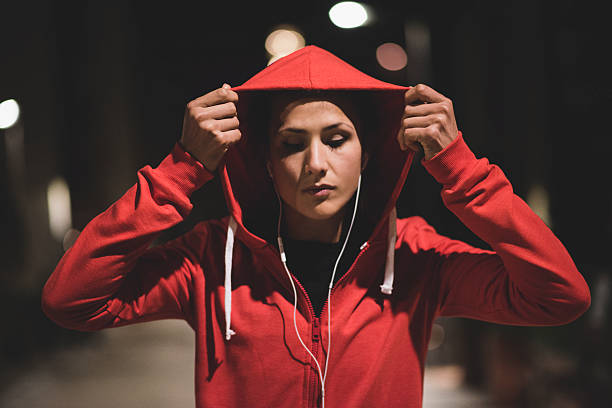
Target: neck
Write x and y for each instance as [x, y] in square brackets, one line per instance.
[307, 229]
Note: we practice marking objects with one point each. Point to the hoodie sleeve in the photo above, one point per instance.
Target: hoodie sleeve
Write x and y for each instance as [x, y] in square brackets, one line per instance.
[110, 277]
[528, 279]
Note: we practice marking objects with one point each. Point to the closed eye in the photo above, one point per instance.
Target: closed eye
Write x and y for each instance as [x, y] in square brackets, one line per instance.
[336, 141]
[294, 147]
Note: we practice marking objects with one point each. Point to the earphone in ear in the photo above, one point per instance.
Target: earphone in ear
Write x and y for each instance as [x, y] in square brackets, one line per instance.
[364, 160]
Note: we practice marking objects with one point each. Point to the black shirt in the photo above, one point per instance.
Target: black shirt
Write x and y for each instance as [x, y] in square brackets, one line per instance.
[312, 263]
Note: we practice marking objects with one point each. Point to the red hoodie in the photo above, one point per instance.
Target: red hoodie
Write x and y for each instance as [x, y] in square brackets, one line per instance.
[112, 277]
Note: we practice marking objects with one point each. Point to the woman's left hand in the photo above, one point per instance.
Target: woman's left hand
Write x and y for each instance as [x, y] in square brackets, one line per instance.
[428, 120]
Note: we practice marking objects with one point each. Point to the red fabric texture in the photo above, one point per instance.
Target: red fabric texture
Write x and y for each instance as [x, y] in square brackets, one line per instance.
[112, 277]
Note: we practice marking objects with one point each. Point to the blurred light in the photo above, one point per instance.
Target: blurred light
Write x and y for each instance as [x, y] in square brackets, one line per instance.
[601, 299]
[9, 113]
[283, 41]
[437, 337]
[274, 58]
[348, 14]
[391, 56]
[58, 204]
[417, 43]
[444, 377]
[418, 37]
[69, 238]
[538, 201]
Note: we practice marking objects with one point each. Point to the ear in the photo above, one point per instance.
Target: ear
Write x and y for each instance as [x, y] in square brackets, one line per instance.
[364, 160]
[269, 168]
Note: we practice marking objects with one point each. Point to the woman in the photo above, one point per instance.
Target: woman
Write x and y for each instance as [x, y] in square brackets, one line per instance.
[311, 192]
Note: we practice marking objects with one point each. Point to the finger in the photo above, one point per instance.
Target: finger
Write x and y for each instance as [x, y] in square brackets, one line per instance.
[221, 125]
[412, 137]
[216, 97]
[422, 121]
[406, 143]
[424, 109]
[230, 137]
[227, 124]
[422, 93]
[221, 111]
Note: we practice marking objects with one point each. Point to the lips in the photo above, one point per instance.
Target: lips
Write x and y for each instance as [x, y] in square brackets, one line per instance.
[319, 189]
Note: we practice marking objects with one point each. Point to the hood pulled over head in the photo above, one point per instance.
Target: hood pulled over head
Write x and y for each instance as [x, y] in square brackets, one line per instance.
[374, 106]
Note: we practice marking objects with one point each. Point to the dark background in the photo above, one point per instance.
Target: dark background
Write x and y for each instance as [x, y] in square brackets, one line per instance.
[103, 87]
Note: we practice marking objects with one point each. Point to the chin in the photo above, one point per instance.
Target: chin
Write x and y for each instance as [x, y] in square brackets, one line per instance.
[321, 212]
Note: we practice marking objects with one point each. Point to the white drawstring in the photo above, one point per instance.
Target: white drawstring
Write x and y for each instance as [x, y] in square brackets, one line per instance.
[229, 249]
[387, 286]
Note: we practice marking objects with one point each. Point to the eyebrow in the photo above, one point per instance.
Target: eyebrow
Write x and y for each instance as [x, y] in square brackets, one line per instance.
[299, 130]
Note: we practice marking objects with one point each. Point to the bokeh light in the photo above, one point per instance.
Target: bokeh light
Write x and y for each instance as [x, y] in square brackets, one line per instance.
[69, 238]
[348, 14]
[437, 337]
[58, 204]
[9, 113]
[539, 201]
[391, 56]
[283, 41]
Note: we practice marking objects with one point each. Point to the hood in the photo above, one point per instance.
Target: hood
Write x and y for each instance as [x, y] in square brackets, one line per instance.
[248, 189]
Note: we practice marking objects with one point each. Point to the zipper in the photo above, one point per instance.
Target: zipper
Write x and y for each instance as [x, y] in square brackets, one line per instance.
[314, 375]
[316, 333]
[314, 347]
[362, 250]
[364, 247]
[313, 392]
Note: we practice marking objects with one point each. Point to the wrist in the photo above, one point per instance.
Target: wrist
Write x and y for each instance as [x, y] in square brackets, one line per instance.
[194, 156]
[185, 169]
[448, 164]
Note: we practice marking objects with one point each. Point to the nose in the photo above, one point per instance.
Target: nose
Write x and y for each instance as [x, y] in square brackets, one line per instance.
[316, 159]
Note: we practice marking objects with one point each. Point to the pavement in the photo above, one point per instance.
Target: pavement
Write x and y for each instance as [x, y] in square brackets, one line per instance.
[152, 365]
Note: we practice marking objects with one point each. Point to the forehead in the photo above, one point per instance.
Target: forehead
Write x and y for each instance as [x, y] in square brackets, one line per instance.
[277, 105]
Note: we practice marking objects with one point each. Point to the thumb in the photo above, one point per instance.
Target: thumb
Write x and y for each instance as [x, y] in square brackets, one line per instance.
[226, 86]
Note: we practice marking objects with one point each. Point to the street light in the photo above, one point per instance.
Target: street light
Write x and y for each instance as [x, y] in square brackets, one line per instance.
[348, 14]
[9, 113]
[391, 56]
[283, 41]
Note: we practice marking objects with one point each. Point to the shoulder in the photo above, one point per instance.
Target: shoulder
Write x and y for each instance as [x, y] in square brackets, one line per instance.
[416, 233]
[413, 225]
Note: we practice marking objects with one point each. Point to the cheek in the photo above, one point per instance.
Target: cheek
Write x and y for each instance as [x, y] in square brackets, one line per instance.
[289, 169]
[286, 175]
[351, 175]
[349, 165]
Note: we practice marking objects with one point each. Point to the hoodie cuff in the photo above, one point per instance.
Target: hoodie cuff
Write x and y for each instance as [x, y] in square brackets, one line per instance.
[184, 171]
[448, 165]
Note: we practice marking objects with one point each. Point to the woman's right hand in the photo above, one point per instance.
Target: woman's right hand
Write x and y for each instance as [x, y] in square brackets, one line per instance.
[210, 126]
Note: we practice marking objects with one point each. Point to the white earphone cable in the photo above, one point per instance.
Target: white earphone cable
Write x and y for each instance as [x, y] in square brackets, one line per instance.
[331, 284]
[284, 261]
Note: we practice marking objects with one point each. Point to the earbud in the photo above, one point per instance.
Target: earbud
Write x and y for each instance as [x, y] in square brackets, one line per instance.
[364, 160]
[269, 168]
